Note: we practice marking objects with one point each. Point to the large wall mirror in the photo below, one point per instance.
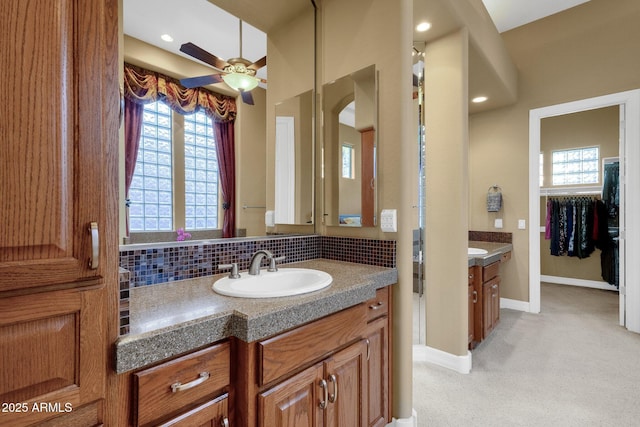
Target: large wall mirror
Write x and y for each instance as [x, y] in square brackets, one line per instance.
[350, 121]
[294, 160]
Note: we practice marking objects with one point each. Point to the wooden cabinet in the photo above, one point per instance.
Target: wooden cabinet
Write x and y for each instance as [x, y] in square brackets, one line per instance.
[484, 300]
[378, 358]
[473, 300]
[331, 393]
[58, 178]
[187, 388]
[334, 371]
[490, 305]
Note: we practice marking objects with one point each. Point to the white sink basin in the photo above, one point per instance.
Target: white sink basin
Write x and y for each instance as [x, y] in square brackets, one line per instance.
[476, 251]
[282, 283]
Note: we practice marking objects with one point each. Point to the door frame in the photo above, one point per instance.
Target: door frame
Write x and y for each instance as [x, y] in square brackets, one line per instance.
[629, 151]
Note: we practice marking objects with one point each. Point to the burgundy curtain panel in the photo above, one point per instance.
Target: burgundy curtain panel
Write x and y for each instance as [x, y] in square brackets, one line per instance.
[225, 141]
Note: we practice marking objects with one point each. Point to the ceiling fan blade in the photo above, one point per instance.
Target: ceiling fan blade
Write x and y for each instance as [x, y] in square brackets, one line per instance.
[204, 56]
[247, 98]
[192, 82]
[259, 63]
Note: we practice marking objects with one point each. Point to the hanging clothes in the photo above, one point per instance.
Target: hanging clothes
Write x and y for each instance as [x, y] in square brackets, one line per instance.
[569, 226]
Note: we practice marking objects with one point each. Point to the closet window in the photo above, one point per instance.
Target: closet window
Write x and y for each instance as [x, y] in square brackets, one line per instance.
[575, 166]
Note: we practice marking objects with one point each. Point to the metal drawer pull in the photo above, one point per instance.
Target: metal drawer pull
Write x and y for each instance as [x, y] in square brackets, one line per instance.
[368, 349]
[333, 397]
[475, 297]
[95, 246]
[176, 387]
[376, 306]
[224, 422]
[325, 394]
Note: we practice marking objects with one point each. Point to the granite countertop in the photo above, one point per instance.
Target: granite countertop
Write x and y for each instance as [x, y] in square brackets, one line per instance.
[176, 317]
[495, 252]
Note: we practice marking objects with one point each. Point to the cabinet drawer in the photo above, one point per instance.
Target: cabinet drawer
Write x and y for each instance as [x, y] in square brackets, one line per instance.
[379, 305]
[286, 352]
[211, 413]
[505, 257]
[173, 386]
[490, 271]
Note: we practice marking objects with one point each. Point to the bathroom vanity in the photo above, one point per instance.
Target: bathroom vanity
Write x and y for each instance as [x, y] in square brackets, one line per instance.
[196, 357]
[484, 288]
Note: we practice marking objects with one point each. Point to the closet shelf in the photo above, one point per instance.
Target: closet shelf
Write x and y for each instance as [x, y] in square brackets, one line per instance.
[570, 191]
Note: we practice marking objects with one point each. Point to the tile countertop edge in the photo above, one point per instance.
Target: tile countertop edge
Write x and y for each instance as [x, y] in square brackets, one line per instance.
[139, 350]
[495, 252]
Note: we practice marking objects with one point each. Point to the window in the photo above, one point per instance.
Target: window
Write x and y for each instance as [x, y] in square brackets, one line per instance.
[201, 173]
[348, 161]
[155, 205]
[575, 166]
[150, 195]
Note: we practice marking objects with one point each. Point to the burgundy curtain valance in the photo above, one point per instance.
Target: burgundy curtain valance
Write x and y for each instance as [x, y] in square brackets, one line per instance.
[144, 86]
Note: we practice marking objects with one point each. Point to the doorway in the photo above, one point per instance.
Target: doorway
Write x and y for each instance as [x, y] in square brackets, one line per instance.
[629, 238]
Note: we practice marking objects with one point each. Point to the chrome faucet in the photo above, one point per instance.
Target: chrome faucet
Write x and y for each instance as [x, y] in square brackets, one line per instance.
[256, 260]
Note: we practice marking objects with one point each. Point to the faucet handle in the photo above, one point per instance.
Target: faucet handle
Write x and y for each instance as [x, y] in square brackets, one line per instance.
[272, 263]
[233, 267]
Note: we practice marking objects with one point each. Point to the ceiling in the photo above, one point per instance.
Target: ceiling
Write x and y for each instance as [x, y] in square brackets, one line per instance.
[213, 25]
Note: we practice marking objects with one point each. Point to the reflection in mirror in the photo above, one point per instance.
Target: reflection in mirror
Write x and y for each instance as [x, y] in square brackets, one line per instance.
[294, 160]
[350, 121]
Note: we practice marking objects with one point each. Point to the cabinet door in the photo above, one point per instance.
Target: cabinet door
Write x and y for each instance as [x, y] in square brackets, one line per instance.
[52, 352]
[472, 306]
[56, 120]
[378, 372]
[214, 413]
[295, 402]
[346, 375]
[487, 306]
[495, 302]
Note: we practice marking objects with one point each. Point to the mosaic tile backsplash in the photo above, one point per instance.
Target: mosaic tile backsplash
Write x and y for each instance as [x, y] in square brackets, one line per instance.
[160, 264]
[490, 236]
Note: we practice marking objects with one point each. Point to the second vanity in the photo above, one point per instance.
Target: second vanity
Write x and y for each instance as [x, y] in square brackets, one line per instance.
[195, 357]
[484, 288]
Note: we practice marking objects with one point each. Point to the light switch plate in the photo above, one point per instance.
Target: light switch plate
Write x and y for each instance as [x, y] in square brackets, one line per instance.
[497, 223]
[389, 220]
[522, 224]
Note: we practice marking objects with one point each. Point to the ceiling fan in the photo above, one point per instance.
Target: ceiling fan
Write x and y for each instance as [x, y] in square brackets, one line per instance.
[237, 73]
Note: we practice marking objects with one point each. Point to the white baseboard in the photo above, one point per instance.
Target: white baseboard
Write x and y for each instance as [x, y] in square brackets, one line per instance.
[405, 422]
[460, 364]
[514, 304]
[596, 284]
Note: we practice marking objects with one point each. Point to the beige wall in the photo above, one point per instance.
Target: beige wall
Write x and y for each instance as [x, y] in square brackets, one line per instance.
[599, 127]
[446, 118]
[586, 51]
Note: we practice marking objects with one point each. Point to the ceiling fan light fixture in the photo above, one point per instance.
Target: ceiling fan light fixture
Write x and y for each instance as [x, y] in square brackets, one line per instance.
[240, 82]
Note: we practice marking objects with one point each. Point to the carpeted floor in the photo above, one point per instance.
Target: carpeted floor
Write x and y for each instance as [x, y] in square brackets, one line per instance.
[570, 365]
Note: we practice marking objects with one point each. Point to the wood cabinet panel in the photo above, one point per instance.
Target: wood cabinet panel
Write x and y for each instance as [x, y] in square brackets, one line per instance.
[378, 373]
[346, 375]
[490, 271]
[207, 371]
[294, 402]
[52, 174]
[52, 343]
[284, 353]
[490, 305]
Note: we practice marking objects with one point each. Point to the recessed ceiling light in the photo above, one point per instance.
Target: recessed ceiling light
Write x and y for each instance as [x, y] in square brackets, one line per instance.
[479, 99]
[167, 38]
[423, 26]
